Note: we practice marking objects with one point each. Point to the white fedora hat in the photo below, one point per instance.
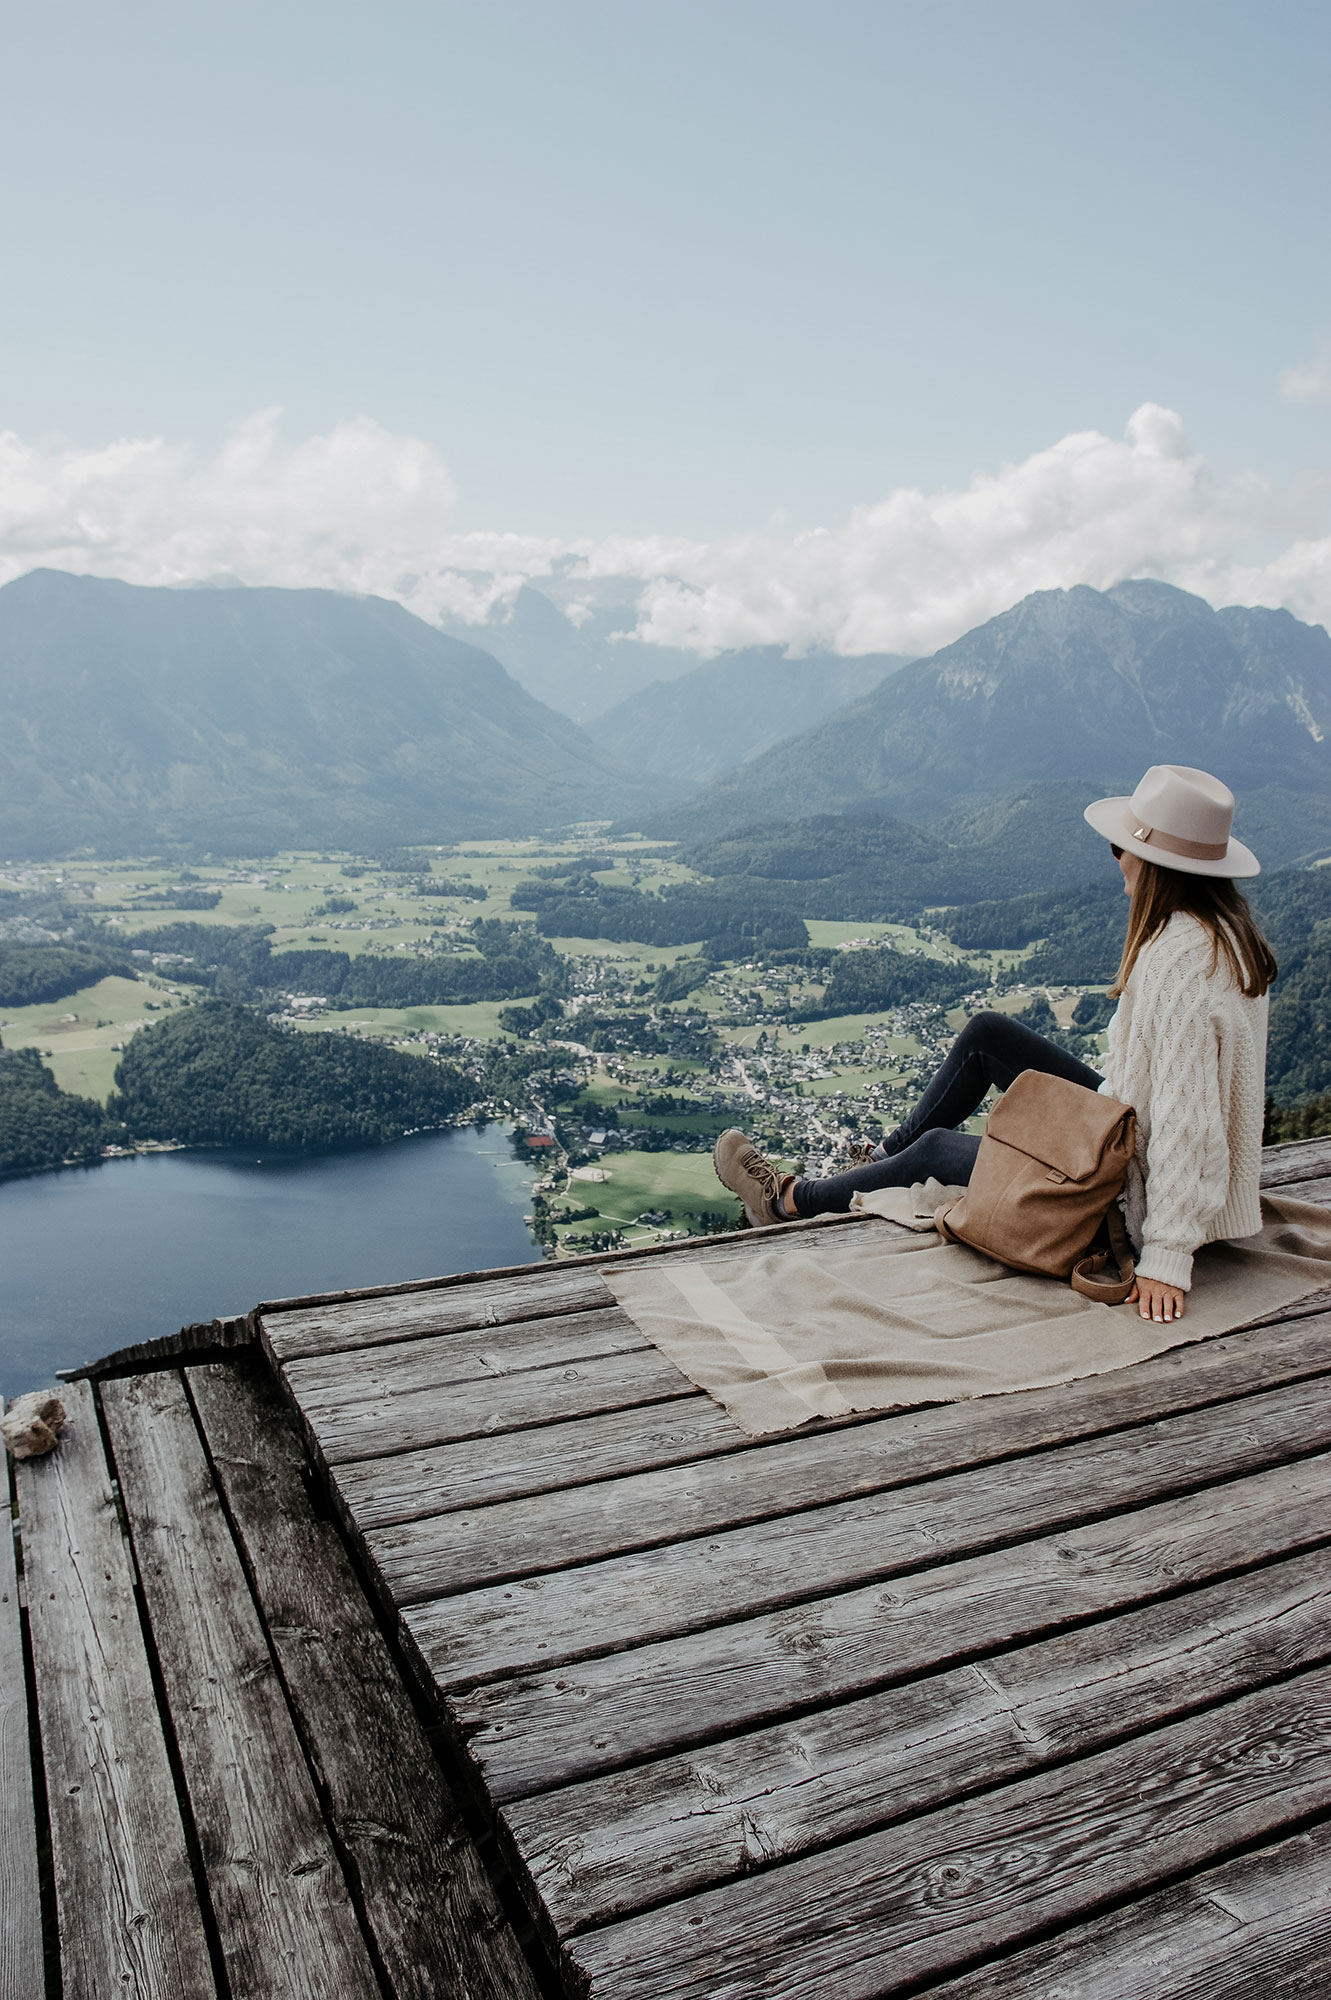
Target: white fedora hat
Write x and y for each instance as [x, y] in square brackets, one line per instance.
[1178, 818]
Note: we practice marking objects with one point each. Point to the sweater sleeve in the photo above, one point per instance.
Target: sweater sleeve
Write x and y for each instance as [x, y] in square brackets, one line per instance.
[1187, 1154]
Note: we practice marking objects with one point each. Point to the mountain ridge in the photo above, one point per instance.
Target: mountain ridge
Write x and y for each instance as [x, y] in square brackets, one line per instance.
[731, 709]
[1076, 685]
[581, 667]
[246, 719]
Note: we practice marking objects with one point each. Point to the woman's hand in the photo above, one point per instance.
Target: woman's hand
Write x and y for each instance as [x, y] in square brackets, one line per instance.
[1156, 1301]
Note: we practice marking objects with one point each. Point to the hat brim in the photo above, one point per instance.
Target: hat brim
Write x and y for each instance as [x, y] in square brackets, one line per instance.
[1113, 820]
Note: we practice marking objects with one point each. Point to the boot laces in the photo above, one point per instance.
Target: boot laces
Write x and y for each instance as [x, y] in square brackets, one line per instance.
[766, 1175]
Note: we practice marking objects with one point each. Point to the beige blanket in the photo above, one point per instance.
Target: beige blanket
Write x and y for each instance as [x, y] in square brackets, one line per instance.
[877, 1318]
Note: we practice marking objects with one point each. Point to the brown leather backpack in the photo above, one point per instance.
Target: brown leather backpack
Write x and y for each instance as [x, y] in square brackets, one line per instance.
[1047, 1178]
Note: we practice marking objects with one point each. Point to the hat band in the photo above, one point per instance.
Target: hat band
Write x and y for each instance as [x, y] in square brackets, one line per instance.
[1173, 843]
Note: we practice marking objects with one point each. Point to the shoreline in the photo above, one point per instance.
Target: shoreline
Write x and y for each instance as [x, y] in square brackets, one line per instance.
[142, 1147]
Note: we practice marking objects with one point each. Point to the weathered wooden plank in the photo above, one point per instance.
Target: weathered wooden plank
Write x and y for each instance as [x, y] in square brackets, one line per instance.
[1317, 1191]
[279, 1897]
[599, 1607]
[200, 1338]
[128, 1907]
[377, 1491]
[323, 1322]
[445, 1361]
[598, 1850]
[378, 1427]
[423, 1891]
[878, 1914]
[21, 1930]
[1296, 1160]
[381, 1491]
[459, 1548]
[467, 1303]
[570, 1722]
[1254, 1928]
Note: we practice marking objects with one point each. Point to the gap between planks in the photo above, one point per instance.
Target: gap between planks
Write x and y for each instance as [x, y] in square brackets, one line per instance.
[1252, 1927]
[597, 1850]
[21, 1942]
[877, 1915]
[423, 1892]
[128, 1907]
[562, 1724]
[276, 1885]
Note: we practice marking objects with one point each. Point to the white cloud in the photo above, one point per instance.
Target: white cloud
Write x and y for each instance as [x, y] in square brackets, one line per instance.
[917, 569]
[1308, 381]
[361, 509]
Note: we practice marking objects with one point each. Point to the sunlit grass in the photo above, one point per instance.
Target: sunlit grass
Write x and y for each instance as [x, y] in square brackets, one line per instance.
[674, 1182]
[76, 1034]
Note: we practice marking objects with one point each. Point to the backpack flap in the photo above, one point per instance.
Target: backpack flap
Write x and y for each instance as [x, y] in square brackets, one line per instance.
[1063, 1125]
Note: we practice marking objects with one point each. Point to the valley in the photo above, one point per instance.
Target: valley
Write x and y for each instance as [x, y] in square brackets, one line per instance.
[618, 1096]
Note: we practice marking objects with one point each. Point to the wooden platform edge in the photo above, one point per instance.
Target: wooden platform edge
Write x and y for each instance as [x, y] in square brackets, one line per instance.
[21, 1940]
[423, 1891]
[593, 1258]
[204, 1337]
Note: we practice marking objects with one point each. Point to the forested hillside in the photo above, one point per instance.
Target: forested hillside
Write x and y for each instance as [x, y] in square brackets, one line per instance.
[43, 1126]
[30, 973]
[237, 962]
[220, 1073]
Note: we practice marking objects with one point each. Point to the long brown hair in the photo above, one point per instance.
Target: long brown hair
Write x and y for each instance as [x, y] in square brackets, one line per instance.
[1219, 904]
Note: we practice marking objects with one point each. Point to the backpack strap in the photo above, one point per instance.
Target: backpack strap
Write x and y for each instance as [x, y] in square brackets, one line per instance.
[1086, 1276]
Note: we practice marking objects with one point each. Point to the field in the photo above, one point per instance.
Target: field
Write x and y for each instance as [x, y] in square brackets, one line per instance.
[81, 1036]
[676, 1184]
[478, 1021]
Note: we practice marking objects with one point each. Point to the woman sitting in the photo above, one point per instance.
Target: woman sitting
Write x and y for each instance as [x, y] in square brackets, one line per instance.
[1187, 1050]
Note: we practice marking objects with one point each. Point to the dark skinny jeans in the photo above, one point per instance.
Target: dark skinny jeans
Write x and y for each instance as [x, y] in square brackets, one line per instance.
[991, 1049]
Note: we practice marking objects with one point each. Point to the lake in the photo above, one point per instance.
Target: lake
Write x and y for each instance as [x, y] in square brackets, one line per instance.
[92, 1258]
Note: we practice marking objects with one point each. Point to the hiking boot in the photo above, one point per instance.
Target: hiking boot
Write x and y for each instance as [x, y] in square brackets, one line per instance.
[742, 1169]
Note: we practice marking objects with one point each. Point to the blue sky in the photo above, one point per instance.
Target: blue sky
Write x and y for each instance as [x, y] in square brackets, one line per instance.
[670, 267]
[826, 324]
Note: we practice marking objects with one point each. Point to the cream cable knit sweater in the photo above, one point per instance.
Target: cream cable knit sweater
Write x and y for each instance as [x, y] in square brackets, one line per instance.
[1187, 1051]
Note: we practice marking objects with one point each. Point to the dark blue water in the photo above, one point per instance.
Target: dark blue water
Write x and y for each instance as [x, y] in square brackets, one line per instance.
[92, 1258]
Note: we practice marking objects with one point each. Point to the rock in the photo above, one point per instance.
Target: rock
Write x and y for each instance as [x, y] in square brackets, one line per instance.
[32, 1424]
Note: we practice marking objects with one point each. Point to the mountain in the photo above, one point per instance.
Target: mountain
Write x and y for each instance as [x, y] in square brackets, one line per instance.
[1080, 686]
[708, 721]
[243, 720]
[581, 667]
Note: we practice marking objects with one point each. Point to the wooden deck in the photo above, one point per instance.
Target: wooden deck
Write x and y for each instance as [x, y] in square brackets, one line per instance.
[234, 1795]
[1028, 1696]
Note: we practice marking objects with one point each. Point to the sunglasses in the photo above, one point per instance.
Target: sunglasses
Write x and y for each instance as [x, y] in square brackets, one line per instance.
[1117, 852]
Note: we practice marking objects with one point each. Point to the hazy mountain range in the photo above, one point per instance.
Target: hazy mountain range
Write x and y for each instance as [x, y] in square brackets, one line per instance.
[1069, 685]
[581, 665]
[733, 708]
[243, 719]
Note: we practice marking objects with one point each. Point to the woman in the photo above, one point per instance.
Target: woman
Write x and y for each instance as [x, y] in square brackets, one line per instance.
[1187, 1049]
